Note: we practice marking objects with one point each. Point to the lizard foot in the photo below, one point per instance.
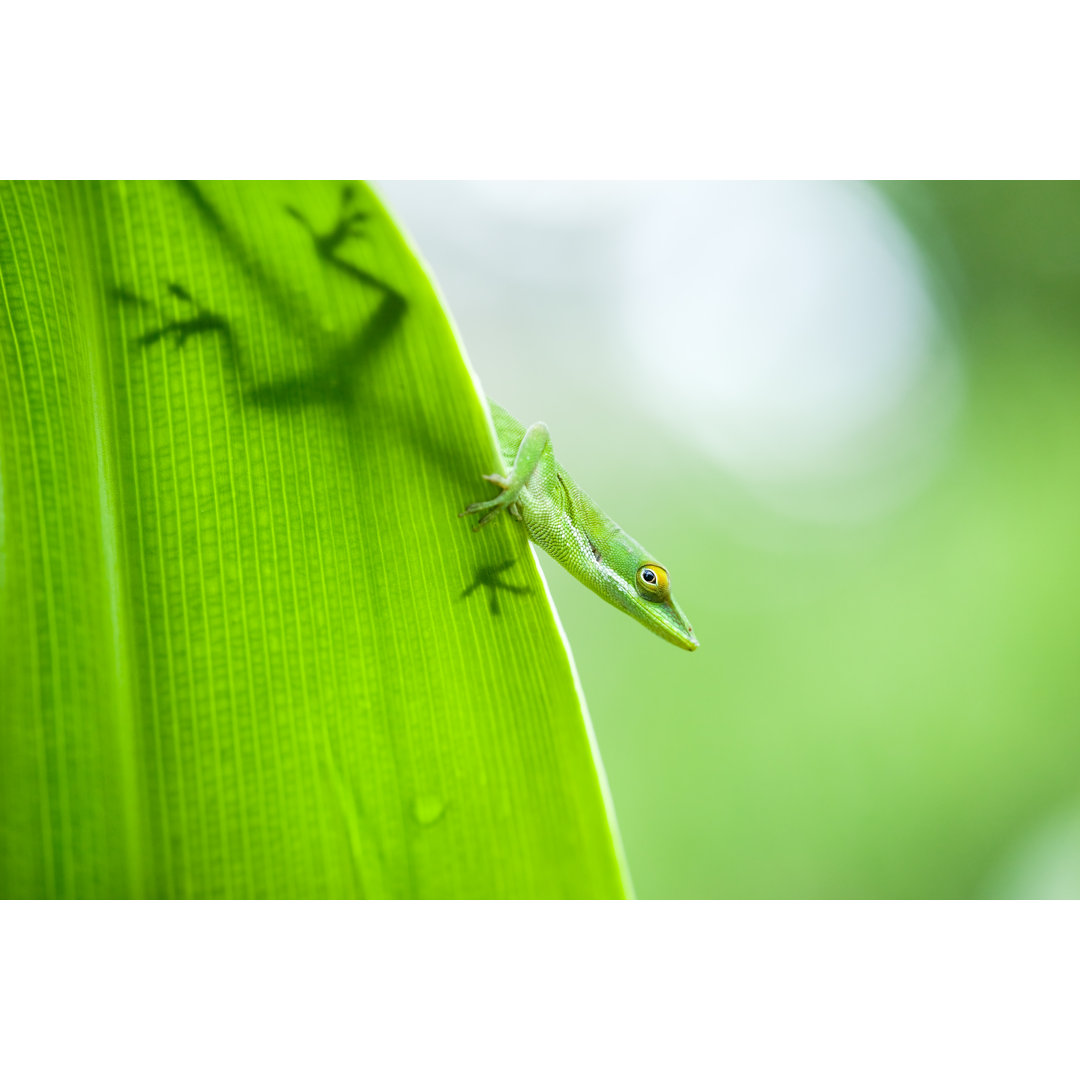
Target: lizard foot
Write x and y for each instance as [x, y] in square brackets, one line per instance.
[491, 507]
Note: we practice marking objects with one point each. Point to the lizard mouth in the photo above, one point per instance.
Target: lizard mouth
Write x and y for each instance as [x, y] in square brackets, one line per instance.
[672, 625]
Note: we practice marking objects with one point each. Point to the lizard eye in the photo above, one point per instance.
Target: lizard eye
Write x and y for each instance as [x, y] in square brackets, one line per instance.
[653, 582]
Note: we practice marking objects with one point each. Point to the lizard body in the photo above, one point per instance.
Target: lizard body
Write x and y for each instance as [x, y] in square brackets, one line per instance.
[560, 518]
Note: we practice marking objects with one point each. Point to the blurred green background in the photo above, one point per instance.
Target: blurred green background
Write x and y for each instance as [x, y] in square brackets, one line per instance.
[848, 419]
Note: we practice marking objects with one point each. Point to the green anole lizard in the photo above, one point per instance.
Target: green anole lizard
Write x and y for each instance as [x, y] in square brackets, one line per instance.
[560, 518]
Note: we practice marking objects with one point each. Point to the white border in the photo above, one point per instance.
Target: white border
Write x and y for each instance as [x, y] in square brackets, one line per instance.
[742, 990]
[581, 88]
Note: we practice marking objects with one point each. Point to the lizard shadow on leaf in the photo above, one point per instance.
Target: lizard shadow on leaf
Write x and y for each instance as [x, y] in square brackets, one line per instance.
[349, 226]
[488, 578]
[178, 330]
[284, 303]
[203, 321]
[331, 377]
[336, 379]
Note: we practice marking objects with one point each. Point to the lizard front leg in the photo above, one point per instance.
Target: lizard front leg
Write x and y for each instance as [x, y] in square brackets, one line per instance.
[533, 445]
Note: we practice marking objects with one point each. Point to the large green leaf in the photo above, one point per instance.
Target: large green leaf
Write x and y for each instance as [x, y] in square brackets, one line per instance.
[247, 646]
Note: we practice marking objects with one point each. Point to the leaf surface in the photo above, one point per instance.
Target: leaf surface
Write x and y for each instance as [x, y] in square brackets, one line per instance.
[248, 647]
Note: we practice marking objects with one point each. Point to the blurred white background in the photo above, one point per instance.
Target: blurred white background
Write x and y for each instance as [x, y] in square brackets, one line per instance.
[782, 331]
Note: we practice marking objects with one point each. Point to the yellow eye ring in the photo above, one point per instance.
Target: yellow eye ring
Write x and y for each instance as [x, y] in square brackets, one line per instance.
[652, 582]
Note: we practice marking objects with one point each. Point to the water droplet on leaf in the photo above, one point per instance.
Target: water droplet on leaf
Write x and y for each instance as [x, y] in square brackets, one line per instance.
[427, 809]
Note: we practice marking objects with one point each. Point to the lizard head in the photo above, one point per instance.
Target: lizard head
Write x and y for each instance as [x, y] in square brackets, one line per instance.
[630, 578]
[656, 607]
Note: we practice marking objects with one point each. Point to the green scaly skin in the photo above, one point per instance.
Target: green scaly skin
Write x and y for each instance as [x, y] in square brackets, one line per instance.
[571, 528]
